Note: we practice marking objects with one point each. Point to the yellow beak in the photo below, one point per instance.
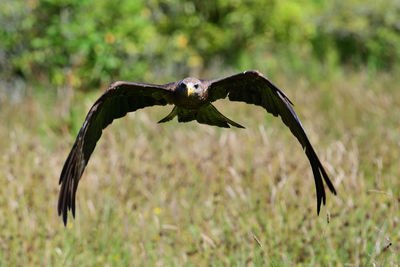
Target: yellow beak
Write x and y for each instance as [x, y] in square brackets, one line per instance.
[190, 90]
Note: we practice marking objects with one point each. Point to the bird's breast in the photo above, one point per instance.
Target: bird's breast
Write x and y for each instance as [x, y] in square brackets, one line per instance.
[189, 102]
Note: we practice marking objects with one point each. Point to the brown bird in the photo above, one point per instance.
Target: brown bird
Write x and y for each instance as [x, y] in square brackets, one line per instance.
[192, 100]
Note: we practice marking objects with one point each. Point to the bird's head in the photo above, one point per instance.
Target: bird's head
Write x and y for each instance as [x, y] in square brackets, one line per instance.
[191, 87]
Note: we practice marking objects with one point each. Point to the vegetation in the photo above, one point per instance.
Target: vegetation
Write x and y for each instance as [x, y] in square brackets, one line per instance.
[83, 43]
[189, 194]
[184, 194]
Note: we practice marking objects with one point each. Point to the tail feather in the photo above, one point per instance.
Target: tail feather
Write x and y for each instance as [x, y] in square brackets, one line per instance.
[210, 115]
[205, 115]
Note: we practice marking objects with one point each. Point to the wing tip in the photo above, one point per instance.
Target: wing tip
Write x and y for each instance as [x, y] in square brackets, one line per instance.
[65, 218]
[327, 180]
[69, 179]
[320, 176]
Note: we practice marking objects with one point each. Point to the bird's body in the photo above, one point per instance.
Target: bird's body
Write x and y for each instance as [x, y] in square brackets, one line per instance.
[192, 102]
[192, 99]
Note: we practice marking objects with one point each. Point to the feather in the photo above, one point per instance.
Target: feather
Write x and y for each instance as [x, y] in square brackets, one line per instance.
[254, 88]
[116, 102]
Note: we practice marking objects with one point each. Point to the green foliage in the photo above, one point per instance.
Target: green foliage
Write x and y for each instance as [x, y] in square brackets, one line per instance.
[84, 43]
[362, 31]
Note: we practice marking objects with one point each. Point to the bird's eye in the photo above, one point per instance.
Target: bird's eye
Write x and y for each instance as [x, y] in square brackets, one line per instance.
[196, 86]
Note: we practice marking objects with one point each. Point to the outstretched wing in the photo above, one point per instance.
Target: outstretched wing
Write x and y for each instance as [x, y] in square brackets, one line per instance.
[253, 88]
[116, 102]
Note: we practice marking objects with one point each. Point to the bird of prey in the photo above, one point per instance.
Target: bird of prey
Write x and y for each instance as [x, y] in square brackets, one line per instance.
[192, 99]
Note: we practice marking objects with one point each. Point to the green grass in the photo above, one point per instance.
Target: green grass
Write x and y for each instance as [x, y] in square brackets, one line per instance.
[194, 195]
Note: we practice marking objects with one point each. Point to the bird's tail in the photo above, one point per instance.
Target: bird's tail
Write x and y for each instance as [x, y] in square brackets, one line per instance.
[206, 115]
[211, 116]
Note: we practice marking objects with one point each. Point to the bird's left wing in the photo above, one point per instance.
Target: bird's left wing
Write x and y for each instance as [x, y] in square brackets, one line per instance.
[254, 88]
[119, 99]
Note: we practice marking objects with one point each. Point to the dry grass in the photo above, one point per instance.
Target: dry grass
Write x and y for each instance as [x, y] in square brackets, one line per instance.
[184, 194]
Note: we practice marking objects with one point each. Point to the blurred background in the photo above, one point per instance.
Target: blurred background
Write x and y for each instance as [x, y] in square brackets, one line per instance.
[189, 194]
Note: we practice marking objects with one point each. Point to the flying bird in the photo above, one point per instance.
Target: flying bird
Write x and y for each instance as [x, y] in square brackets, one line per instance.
[192, 99]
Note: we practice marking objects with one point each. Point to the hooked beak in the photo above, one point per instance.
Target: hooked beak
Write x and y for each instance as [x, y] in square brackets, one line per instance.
[190, 90]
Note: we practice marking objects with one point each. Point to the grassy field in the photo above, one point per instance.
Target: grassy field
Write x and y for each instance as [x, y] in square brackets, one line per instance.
[194, 195]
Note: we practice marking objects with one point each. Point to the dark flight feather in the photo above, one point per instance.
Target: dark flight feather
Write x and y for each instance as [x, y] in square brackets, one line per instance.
[122, 97]
[205, 115]
[253, 88]
[119, 99]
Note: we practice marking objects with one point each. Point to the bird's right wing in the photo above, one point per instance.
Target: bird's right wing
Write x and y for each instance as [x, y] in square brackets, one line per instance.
[254, 88]
[116, 102]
